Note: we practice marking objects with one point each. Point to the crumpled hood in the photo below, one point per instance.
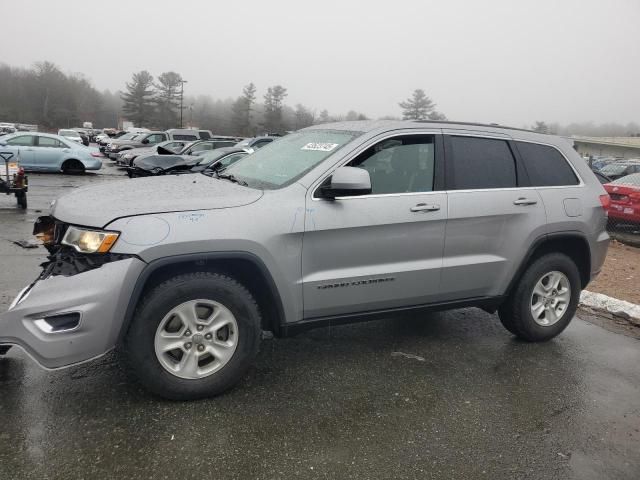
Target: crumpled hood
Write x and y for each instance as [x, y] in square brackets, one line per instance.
[164, 162]
[99, 205]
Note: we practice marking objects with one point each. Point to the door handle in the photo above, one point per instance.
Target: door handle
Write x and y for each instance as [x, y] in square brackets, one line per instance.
[423, 207]
[525, 201]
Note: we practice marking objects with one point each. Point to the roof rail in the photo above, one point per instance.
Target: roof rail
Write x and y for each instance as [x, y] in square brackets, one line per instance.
[472, 124]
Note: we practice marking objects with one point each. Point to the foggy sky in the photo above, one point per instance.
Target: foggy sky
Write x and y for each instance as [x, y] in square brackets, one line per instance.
[505, 61]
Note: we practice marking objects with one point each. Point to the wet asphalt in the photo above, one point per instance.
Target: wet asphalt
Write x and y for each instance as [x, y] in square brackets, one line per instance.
[442, 395]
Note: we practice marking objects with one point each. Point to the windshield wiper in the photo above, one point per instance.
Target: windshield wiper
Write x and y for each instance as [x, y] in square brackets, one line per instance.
[230, 177]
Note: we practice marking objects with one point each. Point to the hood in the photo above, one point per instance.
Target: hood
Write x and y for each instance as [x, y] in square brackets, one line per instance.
[140, 151]
[99, 205]
[165, 162]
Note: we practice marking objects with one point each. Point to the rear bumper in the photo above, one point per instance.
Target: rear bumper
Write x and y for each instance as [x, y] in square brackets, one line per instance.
[99, 296]
[599, 247]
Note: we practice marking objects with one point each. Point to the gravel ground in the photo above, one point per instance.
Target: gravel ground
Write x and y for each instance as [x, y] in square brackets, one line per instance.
[620, 276]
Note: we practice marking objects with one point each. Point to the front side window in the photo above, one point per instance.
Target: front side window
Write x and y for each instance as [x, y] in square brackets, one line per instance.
[480, 163]
[402, 164]
[228, 160]
[21, 141]
[155, 138]
[289, 158]
[545, 165]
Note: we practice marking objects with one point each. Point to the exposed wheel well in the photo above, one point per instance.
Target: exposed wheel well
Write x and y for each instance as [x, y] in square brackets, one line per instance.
[244, 270]
[572, 245]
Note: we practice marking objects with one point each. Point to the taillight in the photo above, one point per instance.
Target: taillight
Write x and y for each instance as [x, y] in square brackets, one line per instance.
[96, 154]
[634, 197]
[605, 200]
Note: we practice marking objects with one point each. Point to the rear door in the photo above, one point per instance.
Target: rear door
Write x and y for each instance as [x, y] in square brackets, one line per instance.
[48, 153]
[493, 216]
[383, 250]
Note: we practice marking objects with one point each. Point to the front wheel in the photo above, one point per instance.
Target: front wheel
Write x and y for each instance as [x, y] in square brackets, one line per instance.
[545, 299]
[193, 336]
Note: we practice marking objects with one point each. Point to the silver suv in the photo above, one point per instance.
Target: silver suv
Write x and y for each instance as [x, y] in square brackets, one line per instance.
[334, 223]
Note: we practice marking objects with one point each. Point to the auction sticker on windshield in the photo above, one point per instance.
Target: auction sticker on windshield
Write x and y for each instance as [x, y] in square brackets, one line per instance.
[320, 147]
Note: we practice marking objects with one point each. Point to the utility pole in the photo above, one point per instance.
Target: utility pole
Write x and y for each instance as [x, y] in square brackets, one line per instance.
[182, 82]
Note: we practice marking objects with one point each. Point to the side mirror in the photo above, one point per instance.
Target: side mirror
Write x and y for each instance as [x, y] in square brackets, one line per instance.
[347, 182]
[145, 141]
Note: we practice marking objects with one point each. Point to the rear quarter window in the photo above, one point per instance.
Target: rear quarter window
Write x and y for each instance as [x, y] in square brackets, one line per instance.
[546, 166]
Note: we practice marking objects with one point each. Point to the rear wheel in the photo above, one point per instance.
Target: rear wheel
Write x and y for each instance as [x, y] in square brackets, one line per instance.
[193, 336]
[73, 167]
[545, 299]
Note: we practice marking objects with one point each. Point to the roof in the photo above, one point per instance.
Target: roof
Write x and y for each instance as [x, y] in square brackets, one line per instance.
[366, 126]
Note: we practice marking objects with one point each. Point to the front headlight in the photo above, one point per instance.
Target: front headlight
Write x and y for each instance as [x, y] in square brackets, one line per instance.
[90, 241]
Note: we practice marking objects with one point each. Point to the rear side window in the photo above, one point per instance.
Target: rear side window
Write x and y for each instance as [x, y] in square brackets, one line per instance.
[204, 135]
[546, 166]
[477, 163]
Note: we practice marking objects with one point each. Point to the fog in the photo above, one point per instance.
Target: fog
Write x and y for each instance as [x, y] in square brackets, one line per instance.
[490, 61]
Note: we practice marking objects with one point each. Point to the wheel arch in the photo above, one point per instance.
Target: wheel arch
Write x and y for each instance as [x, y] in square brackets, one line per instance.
[245, 267]
[574, 244]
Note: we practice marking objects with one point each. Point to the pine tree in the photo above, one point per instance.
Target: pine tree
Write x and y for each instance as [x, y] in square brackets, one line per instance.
[418, 107]
[138, 99]
[273, 102]
[168, 99]
[242, 108]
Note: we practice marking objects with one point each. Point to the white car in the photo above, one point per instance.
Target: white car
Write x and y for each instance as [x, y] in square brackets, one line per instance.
[71, 135]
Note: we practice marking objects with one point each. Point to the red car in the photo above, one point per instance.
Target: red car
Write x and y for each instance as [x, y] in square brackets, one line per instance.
[625, 199]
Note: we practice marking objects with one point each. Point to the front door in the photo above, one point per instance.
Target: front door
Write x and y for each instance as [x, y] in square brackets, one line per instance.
[383, 250]
[22, 147]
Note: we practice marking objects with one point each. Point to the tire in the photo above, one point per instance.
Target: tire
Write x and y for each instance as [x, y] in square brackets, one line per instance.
[72, 167]
[183, 373]
[553, 308]
[22, 200]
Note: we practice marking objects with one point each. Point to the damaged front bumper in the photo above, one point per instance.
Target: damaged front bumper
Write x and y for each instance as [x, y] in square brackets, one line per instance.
[71, 314]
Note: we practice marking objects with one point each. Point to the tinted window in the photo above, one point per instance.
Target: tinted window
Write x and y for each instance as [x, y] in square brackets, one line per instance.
[204, 135]
[399, 165]
[184, 137]
[480, 163]
[21, 141]
[545, 165]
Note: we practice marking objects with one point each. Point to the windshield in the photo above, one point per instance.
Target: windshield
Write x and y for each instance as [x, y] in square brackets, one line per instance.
[633, 179]
[283, 162]
[69, 133]
[613, 170]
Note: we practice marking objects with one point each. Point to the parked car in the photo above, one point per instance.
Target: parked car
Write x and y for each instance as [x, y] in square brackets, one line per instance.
[137, 141]
[185, 272]
[256, 142]
[602, 178]
[106, 138]
[154, 165]
[127, 157]
[625, 199]
[71, 135]
[51, 153]
[189, 148]
[191, 134]
[620, 169]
